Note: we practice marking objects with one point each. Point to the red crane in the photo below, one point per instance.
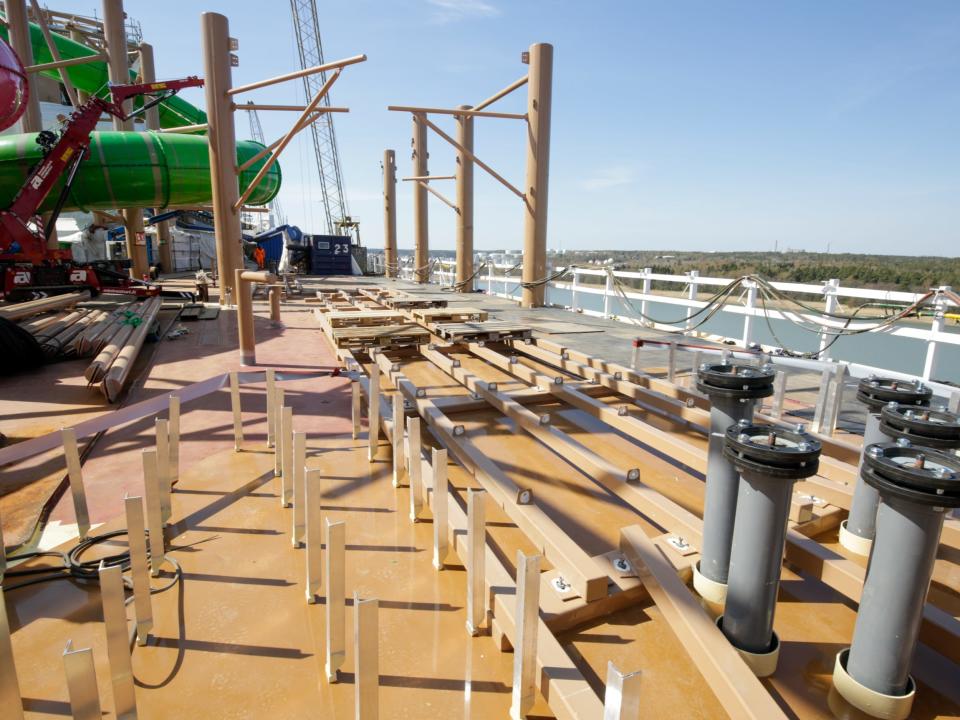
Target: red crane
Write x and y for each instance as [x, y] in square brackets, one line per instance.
[29, 266]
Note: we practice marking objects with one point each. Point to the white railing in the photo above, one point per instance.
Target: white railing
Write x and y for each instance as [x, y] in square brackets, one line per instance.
[504, 280]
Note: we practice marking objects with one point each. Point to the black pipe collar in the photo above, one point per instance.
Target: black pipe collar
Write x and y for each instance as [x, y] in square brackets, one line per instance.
[875, 392]
[772, 451]
[742, 382]
[922, 475]
[936, 428]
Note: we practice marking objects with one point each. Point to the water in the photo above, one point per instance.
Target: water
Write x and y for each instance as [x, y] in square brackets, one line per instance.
[877, 349]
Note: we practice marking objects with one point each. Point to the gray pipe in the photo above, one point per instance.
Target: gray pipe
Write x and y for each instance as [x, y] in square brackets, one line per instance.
[722, 486]
[759, 536]
[891, 608]
[862, 519]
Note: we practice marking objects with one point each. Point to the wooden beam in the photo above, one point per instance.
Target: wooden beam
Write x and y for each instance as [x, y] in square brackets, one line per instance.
[740, 692]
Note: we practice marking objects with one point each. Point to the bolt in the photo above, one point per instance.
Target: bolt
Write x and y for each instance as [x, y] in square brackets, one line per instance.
[743, 422]
[800, 429]
[908, 414]
[892, 404]
[704, 367]
[746, 372]
[561, 585]
[458, 430]
[622, 565]
[874, 383]
[904, 442]
[545, 419]
[633, 474]
[940, 472]
[921, 387]
[743, 437]
[622, 411]
[558, 380]
[771, 439]
[874, 451]
[804, 446]
[920, 461]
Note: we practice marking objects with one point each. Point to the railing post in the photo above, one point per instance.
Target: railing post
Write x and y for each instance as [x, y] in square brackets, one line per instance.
[313, 499]
[299, 489]
[414, 469]
[398, 433]
[173, 426]
[139, 570]
[81, 683]
[278, 434]
[366, 640]
[829, 306]
[162, 433]
[490, 279]
[237, 412]
[355, 407]
[647, 285]
[573, 290]
[748, 316]
[936, 327]
[691, 295]
[286, 466]
[607, 293]
[118, 648]
[271, 404]
[373, 411]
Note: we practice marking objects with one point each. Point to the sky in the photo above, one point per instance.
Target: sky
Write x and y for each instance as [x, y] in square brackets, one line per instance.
[687, 125]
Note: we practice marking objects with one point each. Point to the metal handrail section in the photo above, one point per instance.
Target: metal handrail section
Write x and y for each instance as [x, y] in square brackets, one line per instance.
[502, 283]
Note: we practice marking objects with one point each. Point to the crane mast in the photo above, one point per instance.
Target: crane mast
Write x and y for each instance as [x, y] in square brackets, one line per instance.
[307, 31]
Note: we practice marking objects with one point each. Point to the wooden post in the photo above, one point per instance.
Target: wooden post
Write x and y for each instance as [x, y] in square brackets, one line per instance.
[286, 472]
[464, 203]
[118, 647]
[10, 699]
[81, 683]
[75, 472]
[366, 642]
[622, 698]
[274, 296]
[539, 101]
[440, 528]
[421, 226]
[162, 434]
[390, 261]
[151, 492]
[215, 31]
[476, 551]
[355, 407]
[174, 432]
[314, 499]
[373, 412]
[278, 433]
[525, 636]
[398, 433]
[414, 469]
[271, 404]
[335, 539]
[137, 539]
[237, 411]
[299, 492]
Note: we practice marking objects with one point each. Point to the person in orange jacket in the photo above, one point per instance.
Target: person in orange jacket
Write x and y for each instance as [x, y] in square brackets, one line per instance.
[259, 256]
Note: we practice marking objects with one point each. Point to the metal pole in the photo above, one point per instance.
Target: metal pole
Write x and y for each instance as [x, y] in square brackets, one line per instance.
[286, 464]
[464, 203]
[647, 285]
[118, 648]
[539, 101]
[151, 492]
[174, 431]
[81, 683]
[862, 519]
[335, 539]
[271, 405]
[373, 412]
[299, 492]
[162, 434]
[415, 468]
[75, 473]
[398, 442]
[390, 213]
[622, 698]
[278, 433]
[525, 638]
[314, 533]
[748, 316]
[440, 530]
[691, 295]
[237, 412]
[152, 121]
[421, 227]
[366, 647]
[115, 37]
[476, 559]
[215, 32]
[355, 407]
[829, 306]
[139, 569]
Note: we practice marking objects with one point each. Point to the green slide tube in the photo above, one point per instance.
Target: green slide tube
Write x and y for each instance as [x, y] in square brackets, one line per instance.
[134, 169]
[92, 77]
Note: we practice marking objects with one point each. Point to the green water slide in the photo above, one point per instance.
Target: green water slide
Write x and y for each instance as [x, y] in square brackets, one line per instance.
[127, 169]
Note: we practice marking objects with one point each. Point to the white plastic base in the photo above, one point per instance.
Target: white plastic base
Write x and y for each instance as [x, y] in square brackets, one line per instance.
[710, 590]
[854, 543]
[761, 664]
[878, 705]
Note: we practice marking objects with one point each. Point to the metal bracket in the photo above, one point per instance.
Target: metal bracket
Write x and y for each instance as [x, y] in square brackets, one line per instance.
[524, 497]
[680, 545]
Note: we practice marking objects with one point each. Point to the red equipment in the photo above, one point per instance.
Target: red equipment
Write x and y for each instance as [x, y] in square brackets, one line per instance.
[31, 268]
[14, 88]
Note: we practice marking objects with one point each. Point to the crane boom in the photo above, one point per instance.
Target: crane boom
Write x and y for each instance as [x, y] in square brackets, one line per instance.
[307, 30]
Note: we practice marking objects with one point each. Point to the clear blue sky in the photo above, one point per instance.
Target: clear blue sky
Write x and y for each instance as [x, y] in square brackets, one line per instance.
[684, 125]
